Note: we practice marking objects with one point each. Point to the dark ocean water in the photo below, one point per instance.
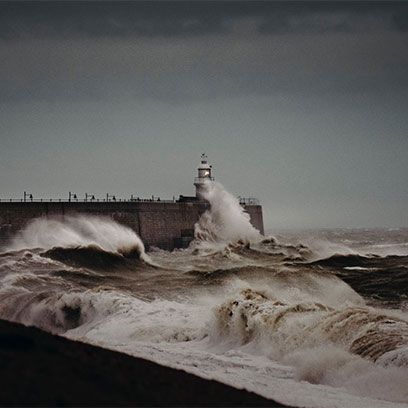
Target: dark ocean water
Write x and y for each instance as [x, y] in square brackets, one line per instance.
[311, 318]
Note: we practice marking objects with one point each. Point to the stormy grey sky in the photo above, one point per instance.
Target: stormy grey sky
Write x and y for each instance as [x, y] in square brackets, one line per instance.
[301, 104]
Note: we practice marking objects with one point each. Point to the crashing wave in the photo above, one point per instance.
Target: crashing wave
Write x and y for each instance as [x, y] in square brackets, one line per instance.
[79, 232]
[282, 327]
[48, 310]
[225, 223]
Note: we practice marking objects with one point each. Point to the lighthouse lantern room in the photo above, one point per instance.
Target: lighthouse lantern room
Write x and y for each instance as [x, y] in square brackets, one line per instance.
[204, 175]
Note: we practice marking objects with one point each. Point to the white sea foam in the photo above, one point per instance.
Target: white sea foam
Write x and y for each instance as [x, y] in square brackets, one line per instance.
[359, 268]
[335, 367]
[279, 327]
[324, 248]
[400, 249]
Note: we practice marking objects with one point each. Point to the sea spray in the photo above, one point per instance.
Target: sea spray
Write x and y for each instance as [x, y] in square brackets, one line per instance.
[78, 231]
[333, 366]
[225, 223]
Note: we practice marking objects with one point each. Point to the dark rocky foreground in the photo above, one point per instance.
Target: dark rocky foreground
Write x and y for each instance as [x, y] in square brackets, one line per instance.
[40, 369]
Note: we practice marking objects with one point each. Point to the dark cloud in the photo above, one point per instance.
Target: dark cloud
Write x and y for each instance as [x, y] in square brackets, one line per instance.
[111, 19]
[184, 51]
[400, 19]
[332, 16]
[193, 18]
[184, 70]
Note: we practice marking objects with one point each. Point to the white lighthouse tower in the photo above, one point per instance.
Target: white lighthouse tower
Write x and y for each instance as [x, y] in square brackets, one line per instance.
[204, 175]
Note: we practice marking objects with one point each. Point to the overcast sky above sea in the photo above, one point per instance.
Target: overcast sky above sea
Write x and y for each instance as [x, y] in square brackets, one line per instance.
[303, 105]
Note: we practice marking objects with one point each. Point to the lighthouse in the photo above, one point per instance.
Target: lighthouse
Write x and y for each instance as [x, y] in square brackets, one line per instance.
[204, 175]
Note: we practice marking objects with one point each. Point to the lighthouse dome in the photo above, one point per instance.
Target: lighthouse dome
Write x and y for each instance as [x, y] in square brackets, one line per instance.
[204, 162]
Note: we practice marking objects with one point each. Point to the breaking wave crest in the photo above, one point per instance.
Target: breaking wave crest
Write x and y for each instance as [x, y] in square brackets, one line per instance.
[79, 232]
[340, 260]
[55, 312]
[281, 328]
[93, 257]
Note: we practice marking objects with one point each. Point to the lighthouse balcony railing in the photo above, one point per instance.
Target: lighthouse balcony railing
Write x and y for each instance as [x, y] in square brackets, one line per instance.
[202, 180]
[249, 201]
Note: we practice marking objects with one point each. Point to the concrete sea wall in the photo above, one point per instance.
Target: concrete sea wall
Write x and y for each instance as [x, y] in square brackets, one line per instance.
[41, 370]
[162, 224]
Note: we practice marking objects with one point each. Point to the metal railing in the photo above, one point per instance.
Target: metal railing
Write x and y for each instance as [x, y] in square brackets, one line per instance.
[83, 200]
[248, 201]
[109, 199]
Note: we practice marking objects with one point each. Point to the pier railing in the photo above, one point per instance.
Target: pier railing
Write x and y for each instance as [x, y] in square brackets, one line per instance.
[242, 200]
[83, 200]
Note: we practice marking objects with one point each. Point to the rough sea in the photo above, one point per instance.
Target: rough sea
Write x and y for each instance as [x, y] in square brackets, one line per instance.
[315, 318]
